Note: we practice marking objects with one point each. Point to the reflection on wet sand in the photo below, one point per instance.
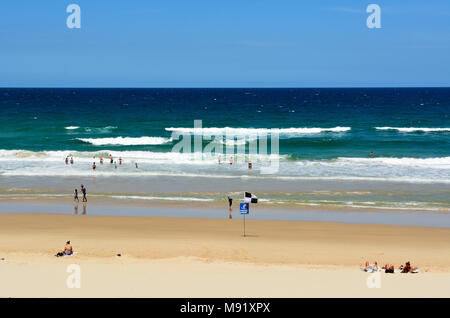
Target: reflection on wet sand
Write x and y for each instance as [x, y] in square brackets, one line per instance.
[75, 207]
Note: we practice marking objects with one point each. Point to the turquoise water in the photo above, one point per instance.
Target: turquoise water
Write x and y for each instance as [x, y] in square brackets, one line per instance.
[324, 135]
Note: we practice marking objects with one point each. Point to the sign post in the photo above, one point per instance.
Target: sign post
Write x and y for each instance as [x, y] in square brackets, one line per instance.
[244, 208]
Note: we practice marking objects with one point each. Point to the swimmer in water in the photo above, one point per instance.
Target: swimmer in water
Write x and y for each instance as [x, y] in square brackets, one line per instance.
[71, 160]
[111, 160]
[67, 160]
[371, 154]
[94, 166]
[120, 160]
[101, 160]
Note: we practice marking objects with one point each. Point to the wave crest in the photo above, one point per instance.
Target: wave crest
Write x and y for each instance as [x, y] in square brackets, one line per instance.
[289, 132]
[414, 129]
[126, 141]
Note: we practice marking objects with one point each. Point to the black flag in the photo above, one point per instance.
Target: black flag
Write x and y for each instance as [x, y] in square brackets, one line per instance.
[250, 198]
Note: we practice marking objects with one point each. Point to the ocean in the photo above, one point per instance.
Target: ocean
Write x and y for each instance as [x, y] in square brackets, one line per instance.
[326, 137]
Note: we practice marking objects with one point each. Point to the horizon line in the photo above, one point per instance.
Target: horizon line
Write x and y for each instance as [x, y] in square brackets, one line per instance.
[216, 87]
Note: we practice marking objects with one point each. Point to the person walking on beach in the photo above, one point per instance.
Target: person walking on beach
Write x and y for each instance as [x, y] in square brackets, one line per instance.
[83, 191]
[230, 207]
[75, 195]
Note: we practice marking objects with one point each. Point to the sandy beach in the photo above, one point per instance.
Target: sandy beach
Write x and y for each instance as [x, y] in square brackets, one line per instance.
[193, 257]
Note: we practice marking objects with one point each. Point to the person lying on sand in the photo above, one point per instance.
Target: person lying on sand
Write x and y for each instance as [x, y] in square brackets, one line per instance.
[389, 268]
[371, 268]
[68, 250]
[408, 268]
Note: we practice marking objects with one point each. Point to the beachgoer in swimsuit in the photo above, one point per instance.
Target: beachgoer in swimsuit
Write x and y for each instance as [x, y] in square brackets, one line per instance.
[408, 268]
[94, 166]
[75, 195]
[111, 160]
[230, 206]
[120, 160]
[71, 160]
[83, 191]
[101, 160]
[68, 250]
[67, 160]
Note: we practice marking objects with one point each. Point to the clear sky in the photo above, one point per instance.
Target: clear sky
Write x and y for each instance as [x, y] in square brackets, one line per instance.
[226, 43]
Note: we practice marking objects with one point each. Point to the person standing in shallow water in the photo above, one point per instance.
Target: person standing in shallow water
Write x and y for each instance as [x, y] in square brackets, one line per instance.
[230, 207]
[83, 191]
[75, 195]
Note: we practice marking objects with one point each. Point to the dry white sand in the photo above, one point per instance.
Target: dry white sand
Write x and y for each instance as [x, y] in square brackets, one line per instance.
[173, 257]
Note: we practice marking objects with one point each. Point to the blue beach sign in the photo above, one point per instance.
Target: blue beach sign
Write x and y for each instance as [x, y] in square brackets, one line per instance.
[244, 208]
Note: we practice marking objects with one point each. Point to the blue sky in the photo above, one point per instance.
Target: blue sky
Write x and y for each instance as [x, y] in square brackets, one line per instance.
[227, 43]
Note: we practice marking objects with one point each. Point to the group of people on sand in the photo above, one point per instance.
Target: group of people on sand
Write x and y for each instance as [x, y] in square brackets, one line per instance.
[389, 268]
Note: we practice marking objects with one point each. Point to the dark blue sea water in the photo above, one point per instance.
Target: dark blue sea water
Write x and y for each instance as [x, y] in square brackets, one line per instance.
[324, 134]
[36, 119]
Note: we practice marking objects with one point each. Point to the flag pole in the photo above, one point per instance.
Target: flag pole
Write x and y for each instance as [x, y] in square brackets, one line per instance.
[244, 225]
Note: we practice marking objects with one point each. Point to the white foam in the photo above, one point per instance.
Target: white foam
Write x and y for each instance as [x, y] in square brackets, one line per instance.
[414, 129]
[256, 131]
[136, 197]
[71, 127]
[127, 141]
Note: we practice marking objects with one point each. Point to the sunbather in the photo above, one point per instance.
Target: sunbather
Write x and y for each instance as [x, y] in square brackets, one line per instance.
[371, 268]
[389, 268]
[68, 250]
[408, 268]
